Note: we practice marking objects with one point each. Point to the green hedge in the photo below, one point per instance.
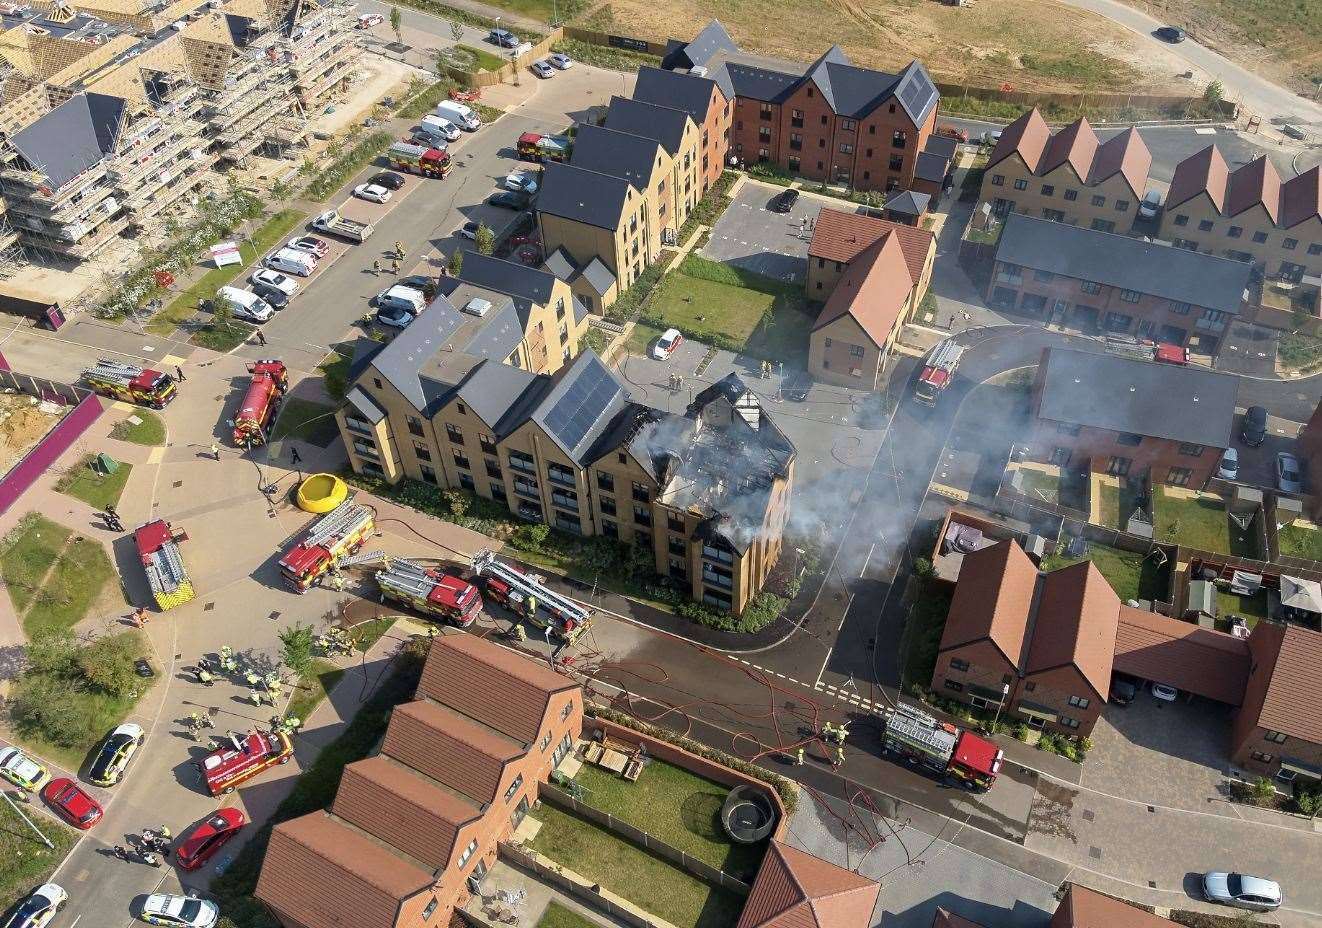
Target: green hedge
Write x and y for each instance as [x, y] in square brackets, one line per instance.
[606, 56]
[347, 164]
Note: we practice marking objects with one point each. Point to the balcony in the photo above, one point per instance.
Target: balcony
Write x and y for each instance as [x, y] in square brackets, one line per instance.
[718, 580]
[366, 450]
[527, 488]
[718, 555]
[523, 464]
[564, 502]
[494, 472]
[564, 478]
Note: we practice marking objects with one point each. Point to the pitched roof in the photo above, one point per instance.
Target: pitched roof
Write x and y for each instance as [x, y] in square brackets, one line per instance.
[1185, 404]
[992, 600]
[491, 684]
[587, 395]
[403, 358]
[316, 869]
[1203, 171]
[1252, 184]
[1084, 908]
[561, 263]
[686, 92]
[1289, 702]
[944, 919]
[589, 197]
[872, 290]
[450, 748]
[698, 52]
[598, 275]
[665, 124]
[620, 154]
[1128, 263]
[908, 202]
[931, 166]
[72, 137]
[1125, 154]
[492, 388]
[819, 73]
[755, 82]
[1075, 625]
[1027, 136]
[1194, 659]
[1301, 198]
[509, 277]
[841, 236]
[794, 889]
[915, 91]
[1076, 145]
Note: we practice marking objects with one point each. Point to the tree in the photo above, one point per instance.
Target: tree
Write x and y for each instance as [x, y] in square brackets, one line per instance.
[486, 240]
[49, 707]
[1215, 92]
[296, 648]
[397, 24]
[1264, 792]
[456, 31]
[107, 664]
[52, 653]
[456, 265]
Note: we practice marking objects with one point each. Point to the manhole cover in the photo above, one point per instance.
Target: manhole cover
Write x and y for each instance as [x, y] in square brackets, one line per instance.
[1095, 853]
[1089, 815]
[208, 607]
[1152, 884]
[178, 484]
[274, 615]
[1152, 808]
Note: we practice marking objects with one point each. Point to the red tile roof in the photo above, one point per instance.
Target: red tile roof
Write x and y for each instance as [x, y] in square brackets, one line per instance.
[873, 290]
[1075, 625]
[992, 600]
[1198, 660]
[1028, 136]
[1125, 154]
[1083, 908]
[1290, 701]
[450, 748]
[1301, 198]
[1203, 171]
[1254, 183]
[316, 870]
[841, 236]
[794, 889]
[1075, 144]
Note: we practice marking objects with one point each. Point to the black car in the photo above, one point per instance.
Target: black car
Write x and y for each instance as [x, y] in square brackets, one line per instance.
[388, 179]
[274, 296]
[784, 202]
[1172, 34]
[508, 199]
[1123, 690]
[1254, 430]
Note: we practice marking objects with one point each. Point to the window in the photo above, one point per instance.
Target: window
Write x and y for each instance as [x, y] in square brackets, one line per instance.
[1235, 231]
[428, 473]
[488, 444]
[1130, 296]
[1021, 184]
[460, 459]
[1029, 686]
[1079, 702]
[998, 180]
[431, 908]
[846, 148]
[415, 426]
[1099, 201]
[899, 139]
[1181, 220]
[896, 163]
[1276, 737]
[954, 685]
[518, 781]
[796, 141]
[521, 461]
[420, 450]
[856, 351]
[607, 504]
[1259, 238]
[605, 482]
[567, 710]
[1118, 467]
[1048, 190]
[1068, 722]
[1261, 757]
[825, 121]
[1290, 244]
[1187, 244]
[1191, 450]
[1315, 248]
[467, 853]
[610, 529]
[764, 135]
[1065, 428]
[1090, 286]
[764, 111]
[793, 163]
[957, 664]
[642, 515]
[1180, 309]
[1179, 476]
[796, 118]
[1103, 225]
[848, 125]
[1121, 205]
[1053, 215]
[1043, 276]
[1205, 225]
[640, 493]
[493, 470]
[455, 435]
[1071, 195]
[1129, 438]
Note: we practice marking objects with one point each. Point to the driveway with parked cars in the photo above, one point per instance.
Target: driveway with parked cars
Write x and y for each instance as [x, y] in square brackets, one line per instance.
[750, 235]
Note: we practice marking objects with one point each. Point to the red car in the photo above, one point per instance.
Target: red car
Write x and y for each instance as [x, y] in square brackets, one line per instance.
[75, 806]
[207, 836]
[954, 132]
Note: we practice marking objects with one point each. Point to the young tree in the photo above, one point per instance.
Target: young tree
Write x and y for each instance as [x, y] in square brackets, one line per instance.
[486, 240]
[456, 266]
[296, 648]
[397, 24]
[456, 31]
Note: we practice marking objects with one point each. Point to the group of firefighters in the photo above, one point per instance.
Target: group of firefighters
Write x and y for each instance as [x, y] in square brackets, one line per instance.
[398, 256]
[829, 734]
[264, 688]
[150, 846]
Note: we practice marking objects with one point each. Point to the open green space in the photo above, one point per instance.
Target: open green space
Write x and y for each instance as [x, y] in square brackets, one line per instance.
[366, 634]
[679, 807]
[1131, 575]
[1300, 351]
[1200, 523]
[484, 60]
[558, 916]
[335, 374]
[93, 487]
[1252, 608]
[1040, 485]
[222, 335]
[148, 430]
[306, 421]
[26, 862]
[1299, 541]
[30, 549]
[647, 881]
[52, 582]
[185, 305]
[312, 687]
[641, 338]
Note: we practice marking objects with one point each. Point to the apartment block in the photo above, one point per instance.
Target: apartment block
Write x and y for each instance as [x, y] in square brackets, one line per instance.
[645, 165]
[704, 101]
[1248, 214]
[1104, 282]
[832, 121]
[413, 830]
[593, 216]
[1278, 731]
[1069, 176]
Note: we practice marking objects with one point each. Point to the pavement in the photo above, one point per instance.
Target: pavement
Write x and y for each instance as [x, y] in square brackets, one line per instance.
[751, 237]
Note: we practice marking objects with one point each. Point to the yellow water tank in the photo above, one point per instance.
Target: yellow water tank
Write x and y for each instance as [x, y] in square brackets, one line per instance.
[321, 493]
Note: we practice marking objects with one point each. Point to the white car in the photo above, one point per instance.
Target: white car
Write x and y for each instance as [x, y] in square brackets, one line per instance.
[118, 748]
[179, 911]
[665, 345]
[37, 910]
[469, 230]
[542, 69]
[560, 60]
[1150, 204]
[309, 243]
[374, 192]
[22, 771]
[1229, 469]
[368, 20]
[1164, 692]
[1241, 891]
[520, 181]
[282, 282]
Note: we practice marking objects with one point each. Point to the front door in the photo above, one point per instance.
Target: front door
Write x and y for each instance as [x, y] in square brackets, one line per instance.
[519, 812]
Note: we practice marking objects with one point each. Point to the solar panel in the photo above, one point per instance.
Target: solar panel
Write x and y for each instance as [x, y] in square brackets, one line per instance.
[583, 403]
[916, 93]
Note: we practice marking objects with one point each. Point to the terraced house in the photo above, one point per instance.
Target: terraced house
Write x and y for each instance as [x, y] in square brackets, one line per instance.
[833, 121]
[703, 99]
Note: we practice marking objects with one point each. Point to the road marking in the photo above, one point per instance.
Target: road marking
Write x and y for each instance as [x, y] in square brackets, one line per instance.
[872, 547]
[171, 359]
[156, 455]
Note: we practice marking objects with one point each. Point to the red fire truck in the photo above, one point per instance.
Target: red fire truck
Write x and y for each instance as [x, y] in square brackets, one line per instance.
[533, 146]
[341, 531]
[418, 159]
[922, 739]
[528, 596]
[938, 372]
[241, 757]
[131, 383]
[430, 590]
[261, 403]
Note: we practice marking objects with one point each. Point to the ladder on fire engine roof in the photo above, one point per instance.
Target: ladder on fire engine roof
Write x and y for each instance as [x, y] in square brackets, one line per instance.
[914, 725]
[340, 521]
[113, 371]
[484, 562]
[945, 355]
[366, 557]
[405, 576]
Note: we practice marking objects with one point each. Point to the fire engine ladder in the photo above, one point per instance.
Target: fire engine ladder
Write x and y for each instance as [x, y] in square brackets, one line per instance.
[405, 578]
[113, 371]
[484, 562]
[365, 557]
[914, 725]
[340, 521]
[945, 356]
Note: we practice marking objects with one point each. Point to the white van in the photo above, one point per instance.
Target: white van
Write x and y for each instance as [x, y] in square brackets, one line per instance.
[459, 114]
[443, 126]
[402, 297]
[291, 261]
[245, 304]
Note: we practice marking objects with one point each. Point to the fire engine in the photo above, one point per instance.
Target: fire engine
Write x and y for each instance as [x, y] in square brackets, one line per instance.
[418, 159]
[430, 590]
[241, 757]
[131, 383]
[261, 403]
[158, 549]
[514, 589]
[923, 739]
[534, 146]
[938, 372]
[341, 531]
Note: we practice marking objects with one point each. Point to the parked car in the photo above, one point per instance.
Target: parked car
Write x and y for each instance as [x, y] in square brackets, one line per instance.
[1172, 34]
[1150, 204]
[1123, 690]
[388, 179]
[1165, 692]
[560, 60]
[311, 244]
[292, 261]
[39, 908]
[784, 201]
[21, 770]
[665, 345]
[72, 803]
[396, 317]
[503, 37]
[508, 199]
[1243, 892]
[953, 132]
[368, 20]
[401, 297]
[1229, 469]
[542, 69]
[245, 304]
[113, 758]
[1293, 131]
[419, 282]
[518, 180]
[1253, 431]
[1289, 478]
[274, 297]
[206, 837]
[373, 192]
[268, 278]
[469, 230]
[179, 911]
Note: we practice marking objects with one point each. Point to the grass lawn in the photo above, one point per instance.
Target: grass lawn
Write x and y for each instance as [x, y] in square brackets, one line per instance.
[75, 582]
[680, 808]
[1199, 523]
[1300, 351]
[29, 551]
[335, 373]
[1108, 504]
[557, 916]
[222, 336]
[366, 634]
[1131, 575]
[184, 306]
[26, 863]
[1252, 608]
[1040, 485]
[641, 338]
[305, 420]
[1297, 541]
[312, 688]
[649, 882]
[93, 487]
[148, 430]
[485, 60]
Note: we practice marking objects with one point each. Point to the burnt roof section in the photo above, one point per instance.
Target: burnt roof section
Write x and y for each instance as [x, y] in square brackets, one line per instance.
[1104, 391]
[621, 154]
[698, 52]
[687, 92]
[1204, 171]
[580, 407]
[589, 197]
[664, 124]
[1158, 270]
[78, 134]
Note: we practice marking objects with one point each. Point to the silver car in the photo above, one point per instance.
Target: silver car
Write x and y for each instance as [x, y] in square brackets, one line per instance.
[1289, 479]
[1243, 892]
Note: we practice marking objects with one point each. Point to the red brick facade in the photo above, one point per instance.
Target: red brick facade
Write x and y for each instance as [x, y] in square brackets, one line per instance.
[715, 137]
[1276, 723]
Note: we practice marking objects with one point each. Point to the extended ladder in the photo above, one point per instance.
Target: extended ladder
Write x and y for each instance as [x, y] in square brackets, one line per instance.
[340, 521]
[404, 577]
[484, 562]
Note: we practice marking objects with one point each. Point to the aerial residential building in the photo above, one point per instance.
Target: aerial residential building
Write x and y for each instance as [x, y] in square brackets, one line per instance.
[1128, 417]
[832, 121]
[1085, 908]
[1070, 176]
[704, 101]
[1247, 214]
[591, 281]
[595, 216]
[681, 137]
[838, 237]
[1103, 282]
[794, 889]
[413, 829]
[1278, 731]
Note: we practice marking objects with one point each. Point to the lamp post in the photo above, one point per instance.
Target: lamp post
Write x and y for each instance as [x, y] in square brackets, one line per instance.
[1005, 691]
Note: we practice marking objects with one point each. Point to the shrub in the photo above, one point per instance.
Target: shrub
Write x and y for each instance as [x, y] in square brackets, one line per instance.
[296, 645]
[530, 537]
[1264, 792]
[47, 705]
[347, 164]
[107, 664]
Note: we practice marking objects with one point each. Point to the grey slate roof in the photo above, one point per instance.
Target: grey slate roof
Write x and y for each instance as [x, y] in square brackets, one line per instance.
[916, 92]
[1105, 391]
[581, 406]
[401, 360]
[510, 277]
[583, 196]
[737, 79]
[492, 389]
[367, 407]
[663, 123]
[500, 333]
[908, 202]
[620, 154]
[697, 53]
[686, 92]
[820, 73]
[561, 263]
[942, 145]
[931, 166]
[580, 311]
[598, 276]
[1120, 261]
[76, 135]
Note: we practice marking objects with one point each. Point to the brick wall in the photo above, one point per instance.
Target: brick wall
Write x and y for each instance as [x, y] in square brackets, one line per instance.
[1098, 447]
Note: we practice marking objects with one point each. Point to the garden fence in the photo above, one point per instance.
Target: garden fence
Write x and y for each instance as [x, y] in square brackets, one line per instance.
[521, 858]
[58, 440]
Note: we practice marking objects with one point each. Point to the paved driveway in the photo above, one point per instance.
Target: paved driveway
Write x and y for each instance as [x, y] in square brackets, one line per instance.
[753, 238]
[1249, 349]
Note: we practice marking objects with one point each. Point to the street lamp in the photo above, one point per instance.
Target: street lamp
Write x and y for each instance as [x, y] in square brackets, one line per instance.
[1005, 691]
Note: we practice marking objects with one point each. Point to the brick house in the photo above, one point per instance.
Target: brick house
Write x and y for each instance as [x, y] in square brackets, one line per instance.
[1038, 646]
[1101, 282]
[703, 99]
[1069, 177]
[833, 121]
[1085, 908]
[1127, 417]
[1278, 731]
[838, 237]
[794, 889]
[413, 829]
[1310, 450]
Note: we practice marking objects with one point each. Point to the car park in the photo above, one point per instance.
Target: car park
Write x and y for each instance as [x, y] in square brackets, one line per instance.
[368, 20]
[71, 802]
[311, 244]
[1243, 892]
[1289, 478]
[508, 199]
[1229, 467]
[560, 60]
[1150, 204]
[1172, 34]
[542, 69]
[372, 192]
[503, 37]
[388, 179]
[274, 297]
[469, 230]
[1253, 431]
[21, 770]
[1164, 692]
[268, 278]
[244, 304]
[784, 201]
[665, 346]
[39, 908]
[292, 261]
[119, 747]
[518, 180]
[199, 843]
[179, 911]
